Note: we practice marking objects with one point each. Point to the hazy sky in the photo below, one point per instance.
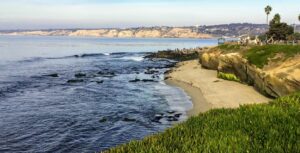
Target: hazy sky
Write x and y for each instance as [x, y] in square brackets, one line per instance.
[37, 14]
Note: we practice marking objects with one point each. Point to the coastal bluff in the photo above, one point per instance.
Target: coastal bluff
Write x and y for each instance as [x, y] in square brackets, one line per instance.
[279, 77]
[168, 32]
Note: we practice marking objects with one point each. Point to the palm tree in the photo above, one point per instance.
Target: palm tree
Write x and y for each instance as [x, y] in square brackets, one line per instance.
[268, 10]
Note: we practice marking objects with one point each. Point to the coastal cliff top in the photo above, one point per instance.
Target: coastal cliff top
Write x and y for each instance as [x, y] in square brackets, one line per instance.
[227, 30]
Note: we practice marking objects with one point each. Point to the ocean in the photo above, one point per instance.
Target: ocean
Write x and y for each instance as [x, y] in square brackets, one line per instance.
[84, 94]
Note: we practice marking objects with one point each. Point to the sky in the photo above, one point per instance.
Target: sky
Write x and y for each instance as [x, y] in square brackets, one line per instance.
[64, 14]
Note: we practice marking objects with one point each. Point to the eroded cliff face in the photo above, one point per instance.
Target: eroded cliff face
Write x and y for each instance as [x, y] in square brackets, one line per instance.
[122, 33]
[274, 80]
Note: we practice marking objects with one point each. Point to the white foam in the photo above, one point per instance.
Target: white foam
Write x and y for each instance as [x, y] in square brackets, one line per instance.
[177, 99]
[106, 54]
[133, 58]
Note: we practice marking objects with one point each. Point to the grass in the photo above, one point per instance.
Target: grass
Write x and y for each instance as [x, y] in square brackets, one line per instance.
[230, 48]
[228, 76]
[273, 127]
[260, 55]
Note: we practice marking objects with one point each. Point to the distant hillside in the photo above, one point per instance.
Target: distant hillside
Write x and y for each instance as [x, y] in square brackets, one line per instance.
[233, 30]
[228, 30]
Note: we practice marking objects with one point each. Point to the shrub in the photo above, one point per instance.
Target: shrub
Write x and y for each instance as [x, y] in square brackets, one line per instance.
[228, 76]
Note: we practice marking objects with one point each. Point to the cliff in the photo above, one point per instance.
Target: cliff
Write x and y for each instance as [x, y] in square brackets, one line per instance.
[274, 70]
[279, 76]
[120, 33]
[227, 30]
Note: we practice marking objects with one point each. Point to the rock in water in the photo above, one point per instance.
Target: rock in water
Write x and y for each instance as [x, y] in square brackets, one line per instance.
[135, 80]
[148, 80]
[102, 120]
[151, 72]
[100, 82]
[170, 112]
[177, 115]
[107, 74]
[128, 119]
[80, 75]
[75, 81]
[54, 75]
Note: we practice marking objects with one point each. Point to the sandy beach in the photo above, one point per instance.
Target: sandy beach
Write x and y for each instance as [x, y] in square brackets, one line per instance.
[209, 92]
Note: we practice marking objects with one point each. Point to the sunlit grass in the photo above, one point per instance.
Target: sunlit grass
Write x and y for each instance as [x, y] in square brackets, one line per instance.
[260, 55]
[228, 76]
[273, 127]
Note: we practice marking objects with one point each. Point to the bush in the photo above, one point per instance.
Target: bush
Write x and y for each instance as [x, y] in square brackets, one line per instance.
[228, 76]
[273, 127]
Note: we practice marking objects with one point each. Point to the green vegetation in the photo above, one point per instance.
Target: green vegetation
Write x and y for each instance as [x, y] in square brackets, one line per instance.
[260, 55]
[228, 76]
[273, 127]
[229, 48]
[279, 30]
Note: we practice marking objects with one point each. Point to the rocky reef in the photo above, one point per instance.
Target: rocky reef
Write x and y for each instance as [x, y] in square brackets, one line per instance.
[178, 54]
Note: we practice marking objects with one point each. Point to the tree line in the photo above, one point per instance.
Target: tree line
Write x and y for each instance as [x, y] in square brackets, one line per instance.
[279, 31]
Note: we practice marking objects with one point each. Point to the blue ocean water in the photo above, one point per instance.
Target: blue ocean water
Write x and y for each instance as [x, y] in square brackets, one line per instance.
[75, 94]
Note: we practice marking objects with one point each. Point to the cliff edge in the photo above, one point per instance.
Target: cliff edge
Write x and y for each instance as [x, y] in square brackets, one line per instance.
[273, 70]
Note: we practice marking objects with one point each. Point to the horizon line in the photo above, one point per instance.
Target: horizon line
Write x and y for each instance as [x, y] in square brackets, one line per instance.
[132, 27]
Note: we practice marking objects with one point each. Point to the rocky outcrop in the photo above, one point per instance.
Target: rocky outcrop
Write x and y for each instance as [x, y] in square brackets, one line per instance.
[178, 54]
[276, 81]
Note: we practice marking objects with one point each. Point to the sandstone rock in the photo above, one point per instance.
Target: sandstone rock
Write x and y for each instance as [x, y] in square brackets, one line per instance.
[276, 81]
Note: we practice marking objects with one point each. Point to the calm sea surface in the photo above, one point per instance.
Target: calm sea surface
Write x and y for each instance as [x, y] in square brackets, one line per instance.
[74, 94]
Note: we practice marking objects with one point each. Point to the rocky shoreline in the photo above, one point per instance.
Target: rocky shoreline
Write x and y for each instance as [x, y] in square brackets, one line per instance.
[273, 81]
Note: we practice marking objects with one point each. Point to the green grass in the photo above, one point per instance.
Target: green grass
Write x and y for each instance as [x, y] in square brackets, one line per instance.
[260, 55]
[228, 76]
[273, 127]
[229, 48]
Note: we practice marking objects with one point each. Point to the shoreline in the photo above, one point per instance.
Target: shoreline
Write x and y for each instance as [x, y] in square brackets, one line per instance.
[200, 104]
[209, 92]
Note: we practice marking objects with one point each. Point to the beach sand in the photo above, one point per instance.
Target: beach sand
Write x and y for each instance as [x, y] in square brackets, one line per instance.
[209, 92]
